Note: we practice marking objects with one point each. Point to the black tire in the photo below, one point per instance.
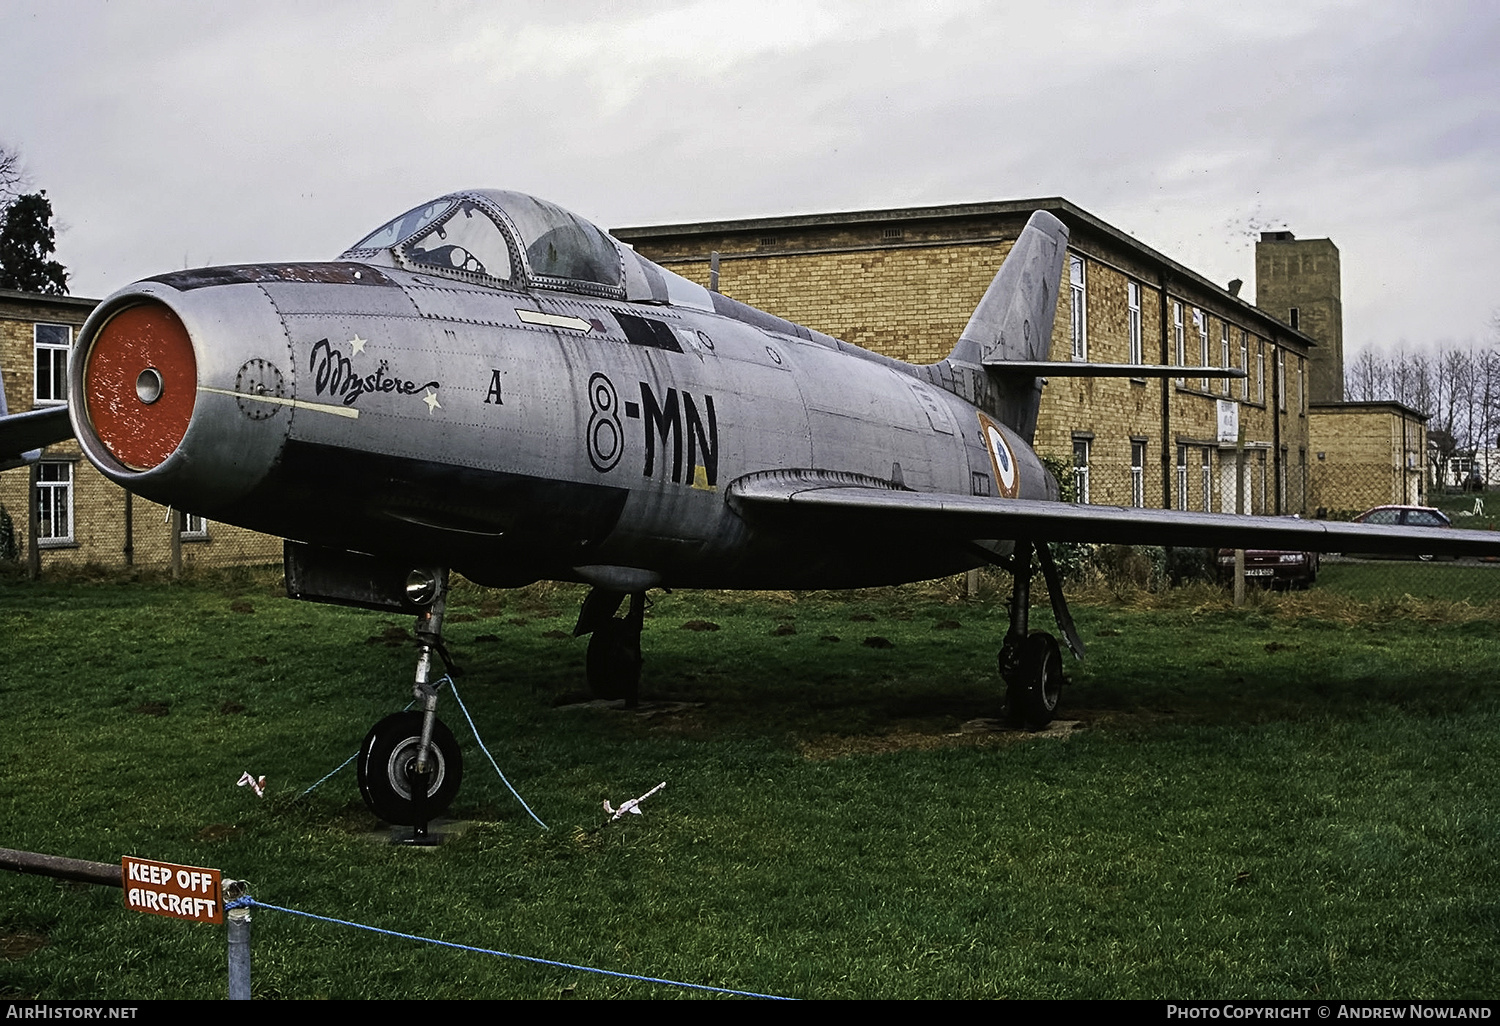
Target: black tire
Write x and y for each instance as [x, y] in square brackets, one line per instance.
[1032, 699]
[613, 665]
[387, 758]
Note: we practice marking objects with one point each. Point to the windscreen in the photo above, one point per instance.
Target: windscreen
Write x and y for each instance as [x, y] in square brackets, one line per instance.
[404, 227]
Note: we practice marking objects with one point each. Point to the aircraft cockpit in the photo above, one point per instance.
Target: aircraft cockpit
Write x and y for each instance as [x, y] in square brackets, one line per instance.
[496, 238]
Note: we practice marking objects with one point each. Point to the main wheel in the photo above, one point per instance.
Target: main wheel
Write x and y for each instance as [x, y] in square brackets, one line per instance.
[613, 666]
[1031, 699]
[386, 765]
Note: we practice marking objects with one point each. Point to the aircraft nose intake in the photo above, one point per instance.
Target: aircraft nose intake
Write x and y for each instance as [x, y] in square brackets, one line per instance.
[140, 384]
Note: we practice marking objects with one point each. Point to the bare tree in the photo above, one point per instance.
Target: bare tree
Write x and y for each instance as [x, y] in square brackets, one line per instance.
[13, 177]
[1367, 377]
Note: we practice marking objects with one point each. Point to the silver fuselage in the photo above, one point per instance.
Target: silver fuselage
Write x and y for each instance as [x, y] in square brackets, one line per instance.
[517, 435]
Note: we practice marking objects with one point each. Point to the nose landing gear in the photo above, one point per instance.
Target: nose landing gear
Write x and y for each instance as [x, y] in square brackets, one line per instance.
[409, 767]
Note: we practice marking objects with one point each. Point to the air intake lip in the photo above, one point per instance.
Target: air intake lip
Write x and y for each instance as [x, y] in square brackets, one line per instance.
[140, 383]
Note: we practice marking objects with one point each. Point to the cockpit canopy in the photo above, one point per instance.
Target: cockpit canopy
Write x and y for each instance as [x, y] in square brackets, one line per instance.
[492, 237]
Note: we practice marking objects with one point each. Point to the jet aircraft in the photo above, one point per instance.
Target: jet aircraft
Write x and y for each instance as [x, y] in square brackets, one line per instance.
[493, 385]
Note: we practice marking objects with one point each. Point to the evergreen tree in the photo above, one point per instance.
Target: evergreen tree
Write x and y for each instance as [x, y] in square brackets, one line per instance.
[26, 241]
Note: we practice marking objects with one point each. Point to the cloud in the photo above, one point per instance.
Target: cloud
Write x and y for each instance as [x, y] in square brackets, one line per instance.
[172, 132]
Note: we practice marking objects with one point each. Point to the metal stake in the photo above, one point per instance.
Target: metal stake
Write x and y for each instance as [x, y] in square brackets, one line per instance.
[238, 921]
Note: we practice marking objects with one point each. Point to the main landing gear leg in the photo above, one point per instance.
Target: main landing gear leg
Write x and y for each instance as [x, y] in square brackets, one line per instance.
[613, 665]
[1030, 664]
[409, 767]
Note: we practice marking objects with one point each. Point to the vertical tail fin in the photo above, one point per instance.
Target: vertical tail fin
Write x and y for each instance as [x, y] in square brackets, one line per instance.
[1014, 319]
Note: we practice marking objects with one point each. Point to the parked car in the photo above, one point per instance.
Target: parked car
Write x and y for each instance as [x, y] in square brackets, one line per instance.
[1405, 516]
[1274, 567]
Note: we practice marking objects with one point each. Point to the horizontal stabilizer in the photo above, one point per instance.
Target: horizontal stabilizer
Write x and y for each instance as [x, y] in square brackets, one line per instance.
[891, 515]
[1068, 369]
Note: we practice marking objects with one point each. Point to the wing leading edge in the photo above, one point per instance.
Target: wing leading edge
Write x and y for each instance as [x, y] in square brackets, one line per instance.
[22, 434]
[804, 502]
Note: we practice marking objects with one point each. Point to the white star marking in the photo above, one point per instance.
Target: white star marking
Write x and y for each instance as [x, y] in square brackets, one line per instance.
[357, 344]
[431, 400]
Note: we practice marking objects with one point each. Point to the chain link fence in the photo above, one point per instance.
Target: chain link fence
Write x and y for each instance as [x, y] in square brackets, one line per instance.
[1209, 487]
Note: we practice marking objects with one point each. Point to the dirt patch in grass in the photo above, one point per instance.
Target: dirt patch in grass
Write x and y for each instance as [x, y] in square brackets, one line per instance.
[16, 946]
[974, 733]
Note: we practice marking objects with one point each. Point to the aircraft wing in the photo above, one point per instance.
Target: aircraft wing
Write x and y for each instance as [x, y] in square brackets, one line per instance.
[21, 434]
[804, 502]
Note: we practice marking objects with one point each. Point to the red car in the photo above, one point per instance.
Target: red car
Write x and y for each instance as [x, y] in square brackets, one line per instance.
[1283, 567]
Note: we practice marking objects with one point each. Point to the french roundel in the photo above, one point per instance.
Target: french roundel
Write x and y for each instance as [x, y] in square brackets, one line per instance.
[1003, 461]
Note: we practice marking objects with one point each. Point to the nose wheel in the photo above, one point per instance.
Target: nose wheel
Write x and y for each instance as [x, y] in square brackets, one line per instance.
[387, 770]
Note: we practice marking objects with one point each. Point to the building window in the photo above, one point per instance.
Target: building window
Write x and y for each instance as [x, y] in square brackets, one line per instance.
[54, 503]
[1200, 321]
[1208, 480]
[1281, 380]
[1260, 472]
[194, 528]
[1181, 349]
[1137, 473]
[1080, 470]
[1224, 358]
[1245, 365]
[1260, 373]
[1079, 308]
[1294, 318]
[1302, 384]
[52, 344]
[1182, 495]
[1133, 297]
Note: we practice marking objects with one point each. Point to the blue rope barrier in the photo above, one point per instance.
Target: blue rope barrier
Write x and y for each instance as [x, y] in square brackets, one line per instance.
[347, 761]
[330, 773]
[480, 741]
[248, 902]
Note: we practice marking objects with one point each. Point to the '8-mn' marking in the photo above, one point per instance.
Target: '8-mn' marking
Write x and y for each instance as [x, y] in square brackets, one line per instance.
[672, 419]
[606, 439]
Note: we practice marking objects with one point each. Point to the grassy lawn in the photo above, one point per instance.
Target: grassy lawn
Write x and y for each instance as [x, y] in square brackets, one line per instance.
[1373, 580]
[1294, 799]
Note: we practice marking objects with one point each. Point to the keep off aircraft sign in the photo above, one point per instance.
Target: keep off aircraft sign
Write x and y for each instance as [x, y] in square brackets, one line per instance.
[179, 892]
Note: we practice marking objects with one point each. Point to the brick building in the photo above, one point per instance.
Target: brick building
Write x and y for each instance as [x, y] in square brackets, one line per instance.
[1367, 454]
[81, 517]
[904, 282]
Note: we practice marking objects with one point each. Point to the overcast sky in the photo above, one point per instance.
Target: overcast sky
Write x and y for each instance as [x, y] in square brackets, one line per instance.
[176, 134]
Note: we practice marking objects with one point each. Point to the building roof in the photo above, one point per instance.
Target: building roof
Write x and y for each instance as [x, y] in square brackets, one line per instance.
[1369, 406]
[10, 298]
[1070, 214]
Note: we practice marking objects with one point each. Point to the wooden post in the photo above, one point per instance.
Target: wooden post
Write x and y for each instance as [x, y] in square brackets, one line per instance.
[175, 516]
[33, 526]
[129, 530]
[1239, 507]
